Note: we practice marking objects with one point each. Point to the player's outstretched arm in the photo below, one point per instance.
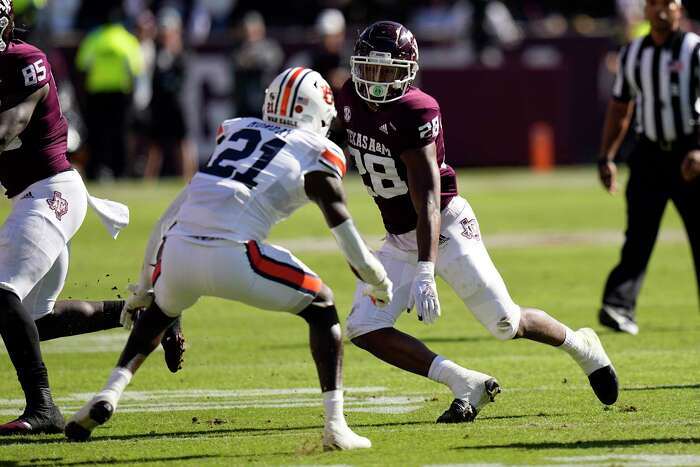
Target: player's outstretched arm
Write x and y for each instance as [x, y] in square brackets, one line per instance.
[424, 187]
[14, 120]
[327, 192]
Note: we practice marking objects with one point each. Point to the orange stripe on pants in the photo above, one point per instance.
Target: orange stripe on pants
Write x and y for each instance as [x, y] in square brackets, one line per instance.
[281, 272]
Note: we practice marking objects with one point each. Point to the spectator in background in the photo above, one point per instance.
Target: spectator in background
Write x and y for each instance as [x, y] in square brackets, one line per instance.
[140, 136]
[328, 56]
[168, 128]
[255, 63]
[110, 59]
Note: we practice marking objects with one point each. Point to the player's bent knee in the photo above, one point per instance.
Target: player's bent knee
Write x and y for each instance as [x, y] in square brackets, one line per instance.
[321, 312]
[8, 298]
[507, 327]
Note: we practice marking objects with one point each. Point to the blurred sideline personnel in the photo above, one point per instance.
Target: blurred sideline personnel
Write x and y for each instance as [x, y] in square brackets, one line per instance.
[255, 62]
[168, 127]
[660, 72]
[49, 203]
[110, 58]
[212, 242]
[327, 56]
[395, 134]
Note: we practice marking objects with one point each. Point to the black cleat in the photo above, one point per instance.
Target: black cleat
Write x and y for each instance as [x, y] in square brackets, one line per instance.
[33, 422]
[174, 347]
[460, 411]
[92, 415]
[618, 319]
[604, 384]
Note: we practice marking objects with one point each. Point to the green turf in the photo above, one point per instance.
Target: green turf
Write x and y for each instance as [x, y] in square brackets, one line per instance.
[545, 415]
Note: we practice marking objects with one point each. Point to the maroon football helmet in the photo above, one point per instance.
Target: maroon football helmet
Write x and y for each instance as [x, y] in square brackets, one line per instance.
[7, 24]
[384, 62]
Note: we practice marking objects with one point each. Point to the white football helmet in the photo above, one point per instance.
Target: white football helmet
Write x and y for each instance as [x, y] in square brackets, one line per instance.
[300, 98]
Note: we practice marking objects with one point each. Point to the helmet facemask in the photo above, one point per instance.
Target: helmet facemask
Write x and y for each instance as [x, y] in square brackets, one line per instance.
[379, 78]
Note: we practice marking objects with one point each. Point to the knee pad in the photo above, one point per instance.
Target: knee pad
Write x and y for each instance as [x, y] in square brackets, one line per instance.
[507, 327]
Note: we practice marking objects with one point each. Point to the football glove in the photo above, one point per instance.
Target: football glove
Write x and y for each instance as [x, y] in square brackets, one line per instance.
[139, 298]
[424, 294]
[380, 294]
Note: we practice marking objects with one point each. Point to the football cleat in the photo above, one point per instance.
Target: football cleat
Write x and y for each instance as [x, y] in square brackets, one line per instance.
[597, 365]
[174, 347]
[34, 422]
[462, 411]
[93, 414]
[342, 438]
[618, 319]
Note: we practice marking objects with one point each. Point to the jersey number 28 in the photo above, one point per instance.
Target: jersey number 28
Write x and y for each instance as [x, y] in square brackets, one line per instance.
[383, 176]
[222, 164]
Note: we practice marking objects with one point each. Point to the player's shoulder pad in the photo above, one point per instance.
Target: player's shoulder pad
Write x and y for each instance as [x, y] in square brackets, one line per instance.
[226, 126]
[417, 100]
[328, 155]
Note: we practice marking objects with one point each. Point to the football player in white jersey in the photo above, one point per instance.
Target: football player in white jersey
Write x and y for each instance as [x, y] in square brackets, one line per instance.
[210, 242]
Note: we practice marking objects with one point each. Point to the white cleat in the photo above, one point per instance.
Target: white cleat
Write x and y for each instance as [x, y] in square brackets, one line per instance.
[598, 367]
[341, 437]
[93, 414]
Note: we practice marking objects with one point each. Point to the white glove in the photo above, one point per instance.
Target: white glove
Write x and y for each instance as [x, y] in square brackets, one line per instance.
[380, 294]
[424, 293]
[139, 298]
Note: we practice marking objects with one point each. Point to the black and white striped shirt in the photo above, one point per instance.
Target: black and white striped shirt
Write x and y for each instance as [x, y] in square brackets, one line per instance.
[665, 83]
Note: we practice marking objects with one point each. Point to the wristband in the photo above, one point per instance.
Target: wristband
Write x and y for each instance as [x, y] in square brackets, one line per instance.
[425, 267]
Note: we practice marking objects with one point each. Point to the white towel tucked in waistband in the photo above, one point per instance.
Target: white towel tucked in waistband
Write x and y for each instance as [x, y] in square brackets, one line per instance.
[114, 216]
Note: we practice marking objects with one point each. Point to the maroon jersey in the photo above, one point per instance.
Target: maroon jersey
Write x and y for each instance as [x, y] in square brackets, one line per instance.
[40, 150]
[376, 140]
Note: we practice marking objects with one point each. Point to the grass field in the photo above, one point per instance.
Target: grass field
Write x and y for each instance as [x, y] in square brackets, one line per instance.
[248, 392]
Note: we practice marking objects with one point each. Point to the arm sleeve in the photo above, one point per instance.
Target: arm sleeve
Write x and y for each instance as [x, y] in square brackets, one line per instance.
[164, 223]
[622, 91]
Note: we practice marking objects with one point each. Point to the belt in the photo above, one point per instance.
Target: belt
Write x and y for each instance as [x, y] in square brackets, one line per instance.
[685, 143]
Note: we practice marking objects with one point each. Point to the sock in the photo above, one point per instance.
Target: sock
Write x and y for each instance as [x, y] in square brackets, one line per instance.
[22, 342]
[333, 405]
[117, 382]
[581, 349]
[465, 384]
[35, 384]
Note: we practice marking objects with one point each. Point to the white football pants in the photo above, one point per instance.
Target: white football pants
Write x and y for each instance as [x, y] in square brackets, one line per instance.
[462, 262]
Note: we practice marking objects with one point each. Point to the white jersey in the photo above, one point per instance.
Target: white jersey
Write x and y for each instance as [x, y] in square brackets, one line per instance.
[253, 180]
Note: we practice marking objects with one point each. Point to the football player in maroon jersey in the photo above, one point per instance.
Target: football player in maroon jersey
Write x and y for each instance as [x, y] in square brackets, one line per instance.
[49, 202]
[394, 133]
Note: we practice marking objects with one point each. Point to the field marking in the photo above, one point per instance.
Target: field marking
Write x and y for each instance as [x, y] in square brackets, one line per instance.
[632, 460]
[370, 399]
[99, 342]
[622, 460]
[497, 240]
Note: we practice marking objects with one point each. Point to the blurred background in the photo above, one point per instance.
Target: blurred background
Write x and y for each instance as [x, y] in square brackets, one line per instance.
[145, 83]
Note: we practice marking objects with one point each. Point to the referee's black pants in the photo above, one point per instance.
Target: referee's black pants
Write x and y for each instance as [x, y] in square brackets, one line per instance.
[655, 177]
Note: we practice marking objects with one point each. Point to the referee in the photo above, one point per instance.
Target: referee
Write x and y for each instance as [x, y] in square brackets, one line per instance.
[658, 81]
